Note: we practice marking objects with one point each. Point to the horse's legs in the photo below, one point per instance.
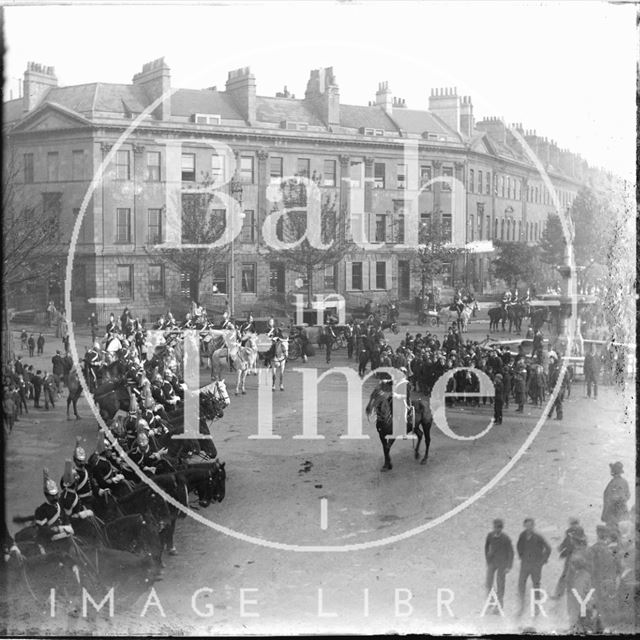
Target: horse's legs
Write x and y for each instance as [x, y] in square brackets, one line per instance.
[386, 447]
[426, 429]
[273, 378]
[282, 365]
[418, 431]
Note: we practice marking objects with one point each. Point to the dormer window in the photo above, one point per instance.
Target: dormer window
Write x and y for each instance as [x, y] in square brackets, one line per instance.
[368, 131]
[292, 125]
[207, 118]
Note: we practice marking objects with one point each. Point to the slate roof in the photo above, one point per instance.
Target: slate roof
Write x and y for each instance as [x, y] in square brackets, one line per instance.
[186, 102]
[275, 110]
[415, 121]
[355, 116]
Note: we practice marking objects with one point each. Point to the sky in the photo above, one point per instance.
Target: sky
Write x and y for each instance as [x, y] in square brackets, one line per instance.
[565, 69]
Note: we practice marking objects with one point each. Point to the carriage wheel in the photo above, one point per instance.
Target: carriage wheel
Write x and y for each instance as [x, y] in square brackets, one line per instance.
[394, 328]
[294, 350]
[433, 322]
[341, 342]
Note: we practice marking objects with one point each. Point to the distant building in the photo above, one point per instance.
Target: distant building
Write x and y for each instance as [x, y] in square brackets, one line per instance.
[370, 157]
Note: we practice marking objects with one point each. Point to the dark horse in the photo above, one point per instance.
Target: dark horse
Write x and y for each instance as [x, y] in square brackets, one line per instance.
[496, 315]
[419, 421]
[515, 313]
[538, 316]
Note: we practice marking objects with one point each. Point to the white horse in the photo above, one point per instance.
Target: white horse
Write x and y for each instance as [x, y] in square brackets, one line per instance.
[279, 361]
[465, 318]
[243, 358]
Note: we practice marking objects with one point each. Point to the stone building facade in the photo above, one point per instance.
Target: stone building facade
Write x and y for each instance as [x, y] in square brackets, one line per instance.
[132, 150]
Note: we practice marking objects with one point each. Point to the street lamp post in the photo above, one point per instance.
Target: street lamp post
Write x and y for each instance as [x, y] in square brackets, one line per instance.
[235, 188]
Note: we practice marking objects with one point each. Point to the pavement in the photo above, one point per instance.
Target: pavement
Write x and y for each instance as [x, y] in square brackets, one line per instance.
[276, 490]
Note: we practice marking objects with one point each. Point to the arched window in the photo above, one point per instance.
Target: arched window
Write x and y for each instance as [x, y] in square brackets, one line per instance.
[519, 230]
[495, 229]
[488, 227]
[508, 234]
[502, 229]
[536, 232]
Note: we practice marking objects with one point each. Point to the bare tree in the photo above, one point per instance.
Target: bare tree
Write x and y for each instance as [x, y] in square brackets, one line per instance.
[30, 242]
[202, 224]
[305, 258]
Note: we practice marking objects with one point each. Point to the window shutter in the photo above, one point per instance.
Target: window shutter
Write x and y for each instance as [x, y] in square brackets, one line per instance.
[390, 231]
[348, 273]
[371, 227]
[366, 285]
[389, 275]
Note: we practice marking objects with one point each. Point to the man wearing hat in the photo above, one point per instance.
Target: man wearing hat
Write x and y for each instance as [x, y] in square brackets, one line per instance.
[556, 379]
[616, 495]
[534, 551]
[70, 502]
[48, 516]
[498, 552]
[498, 399]
[604, 572]
[83, 483]
[104, 474]
[571, 535]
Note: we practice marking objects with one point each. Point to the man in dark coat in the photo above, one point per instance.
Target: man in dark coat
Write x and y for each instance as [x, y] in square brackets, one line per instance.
[592, 371]
[616, 495]
[498, 552]
[533, 551]
[40, 344]
[499, 398]
[31, 343]
[566, 548]
[37, 381]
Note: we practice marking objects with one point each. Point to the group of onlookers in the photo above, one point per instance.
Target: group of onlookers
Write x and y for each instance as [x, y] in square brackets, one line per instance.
[598, 580]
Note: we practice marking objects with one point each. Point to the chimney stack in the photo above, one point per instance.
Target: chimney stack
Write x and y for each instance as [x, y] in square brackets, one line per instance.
[155, 81]
[445, 104]
[495, 128]
[467, 122]
[38, 80]
[323, 95]
[241, 86]
[384, 97]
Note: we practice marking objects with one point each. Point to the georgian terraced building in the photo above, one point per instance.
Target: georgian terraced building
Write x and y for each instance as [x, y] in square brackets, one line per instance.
[370, 157]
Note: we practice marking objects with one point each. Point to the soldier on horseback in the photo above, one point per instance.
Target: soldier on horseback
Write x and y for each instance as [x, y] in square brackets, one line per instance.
[70, 501]
[248, 327]
[49, 516]
[92, 361]
[105, 476]
[83, 482]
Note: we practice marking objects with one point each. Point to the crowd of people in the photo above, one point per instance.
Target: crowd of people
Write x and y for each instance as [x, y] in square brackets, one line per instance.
[598, 580]
[141, 399]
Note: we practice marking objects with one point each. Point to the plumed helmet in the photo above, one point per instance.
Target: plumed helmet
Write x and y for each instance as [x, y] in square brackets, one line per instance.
[49, 486]
[142, 439]
[143, 425]
[69, 477]
[79, 454]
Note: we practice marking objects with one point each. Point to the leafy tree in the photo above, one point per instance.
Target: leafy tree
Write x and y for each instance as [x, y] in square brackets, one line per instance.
[552, 242]
[203, 223]
[305, 258]
[516, 262]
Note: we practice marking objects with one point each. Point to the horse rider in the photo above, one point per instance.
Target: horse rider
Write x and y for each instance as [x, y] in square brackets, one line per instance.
[506, 299]
[142, 454]
[188, 322]
[226, 322]
[92, 361]
[83, 482]
[349, 335]
[69, 499]
[248, 327]
[526, 299]
[49, 517]
[105, 476]
[112, 325]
